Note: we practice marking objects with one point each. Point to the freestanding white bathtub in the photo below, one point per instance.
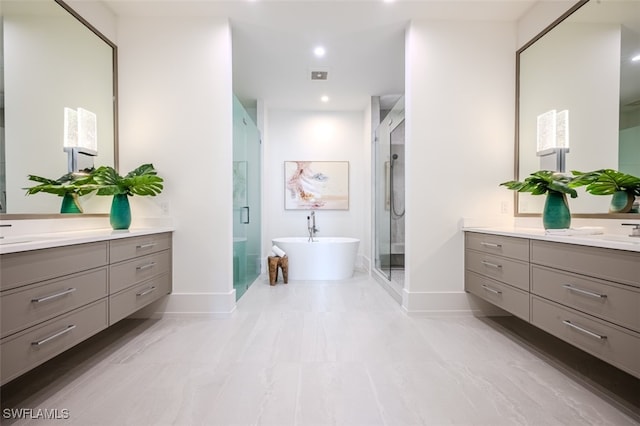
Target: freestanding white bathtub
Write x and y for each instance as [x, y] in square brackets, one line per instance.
[326, 258]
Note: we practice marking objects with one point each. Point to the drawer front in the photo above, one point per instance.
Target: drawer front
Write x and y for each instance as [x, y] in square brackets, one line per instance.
[128, 248]
[24, 268]
[616, 303]
[607, 264]
[506, 297]
[515, 248]
[24, 351]
[128, 301]
[508, 271]
[128, 273]
[612, 344]
[31, 305]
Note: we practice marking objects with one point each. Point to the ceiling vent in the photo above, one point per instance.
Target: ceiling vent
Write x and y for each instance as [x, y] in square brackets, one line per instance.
[319, 75]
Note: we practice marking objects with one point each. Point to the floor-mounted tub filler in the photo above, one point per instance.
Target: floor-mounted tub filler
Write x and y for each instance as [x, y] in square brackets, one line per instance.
[326, 258]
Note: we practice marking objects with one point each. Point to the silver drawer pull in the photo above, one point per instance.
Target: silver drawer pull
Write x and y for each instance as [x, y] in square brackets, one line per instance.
[491, 290]
[491, 265]
[492, 245]
[54, 336]
[585, 292]
[147, 266]
[584, 330]
[53, 296]
[146, 291]
[145, 246]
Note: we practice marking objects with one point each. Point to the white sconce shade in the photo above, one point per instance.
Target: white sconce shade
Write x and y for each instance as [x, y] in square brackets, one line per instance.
[87, 130]
[70, 128]
[553, 131]
[80, 129]
[562, 129]
[80, 138]
[553, 139]
[546, 129]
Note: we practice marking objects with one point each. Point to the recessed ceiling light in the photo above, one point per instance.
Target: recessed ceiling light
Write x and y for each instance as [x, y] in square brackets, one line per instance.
[635, 58]
[324, 98]
[319, 51]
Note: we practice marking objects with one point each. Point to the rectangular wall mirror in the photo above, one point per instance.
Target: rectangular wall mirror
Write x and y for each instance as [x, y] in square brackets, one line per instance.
[52, 59]
[583, 64]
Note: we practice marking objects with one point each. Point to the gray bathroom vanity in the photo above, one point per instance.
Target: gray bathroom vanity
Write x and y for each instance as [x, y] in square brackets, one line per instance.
[57, 292]
[584, 290]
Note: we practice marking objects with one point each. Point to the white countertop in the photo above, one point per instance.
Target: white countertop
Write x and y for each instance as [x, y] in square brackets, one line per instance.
[14, 244]
[611, 241]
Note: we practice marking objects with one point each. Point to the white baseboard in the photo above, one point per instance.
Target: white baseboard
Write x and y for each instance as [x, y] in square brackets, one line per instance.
[363, 263]
[179, 304]
[389, 287]
[454, 303]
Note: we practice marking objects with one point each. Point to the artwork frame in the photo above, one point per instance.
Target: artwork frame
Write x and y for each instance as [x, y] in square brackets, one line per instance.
[316, 185]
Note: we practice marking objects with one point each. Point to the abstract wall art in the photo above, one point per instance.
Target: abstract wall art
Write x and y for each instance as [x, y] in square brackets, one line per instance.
[316, 185]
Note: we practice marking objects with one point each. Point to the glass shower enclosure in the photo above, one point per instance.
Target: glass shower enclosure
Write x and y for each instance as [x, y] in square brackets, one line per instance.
[389, 185]
[246, 199]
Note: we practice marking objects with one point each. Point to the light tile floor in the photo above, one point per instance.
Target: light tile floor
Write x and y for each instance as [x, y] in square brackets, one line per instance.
[325, 353]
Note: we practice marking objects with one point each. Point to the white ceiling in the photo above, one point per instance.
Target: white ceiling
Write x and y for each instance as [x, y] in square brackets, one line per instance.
[273, 43]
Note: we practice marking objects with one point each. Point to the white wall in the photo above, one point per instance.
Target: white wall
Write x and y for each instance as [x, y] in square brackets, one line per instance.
[316, 136]
[460, 88]
[176, 112]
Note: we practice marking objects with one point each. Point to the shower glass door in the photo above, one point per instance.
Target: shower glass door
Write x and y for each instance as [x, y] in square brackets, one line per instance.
[385, 222]
[382, 212]
[246, 199]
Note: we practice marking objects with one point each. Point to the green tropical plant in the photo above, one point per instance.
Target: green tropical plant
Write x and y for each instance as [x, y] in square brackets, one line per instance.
[144, 180]
[70, 186]
[542, 182]
[71, 183]
[606, 182]
[623, 187]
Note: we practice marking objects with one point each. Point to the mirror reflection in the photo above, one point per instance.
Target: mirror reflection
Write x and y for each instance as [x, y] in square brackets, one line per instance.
[53, 64]
[589, 66]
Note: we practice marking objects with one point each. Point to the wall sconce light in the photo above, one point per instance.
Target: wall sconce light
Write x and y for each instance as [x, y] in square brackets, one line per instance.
[553, 140]
[80, 138]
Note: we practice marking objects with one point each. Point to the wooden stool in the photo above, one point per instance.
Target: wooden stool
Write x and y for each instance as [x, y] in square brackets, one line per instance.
[275, 263]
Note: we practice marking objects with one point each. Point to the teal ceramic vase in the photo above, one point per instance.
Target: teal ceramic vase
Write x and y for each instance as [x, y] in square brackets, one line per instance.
[556, 214]
[120, 216]
[70, 203]
[621, 202]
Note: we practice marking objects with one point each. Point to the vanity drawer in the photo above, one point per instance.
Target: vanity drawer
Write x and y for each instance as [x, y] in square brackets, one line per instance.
[608, 264]
[612, 344]
[506, 297]
[612, 302]
[128, 248]
[23, 351]
[128, 301]
[24, 268]
[508, 271]
[126, 274]
[31, 305]
[515, 248]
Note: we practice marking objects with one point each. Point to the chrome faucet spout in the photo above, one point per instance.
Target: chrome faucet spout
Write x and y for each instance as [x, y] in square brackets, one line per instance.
[311, 225]
[4, 225]
[635, 231]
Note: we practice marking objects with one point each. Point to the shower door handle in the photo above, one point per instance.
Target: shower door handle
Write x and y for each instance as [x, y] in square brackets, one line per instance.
[242, 215]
